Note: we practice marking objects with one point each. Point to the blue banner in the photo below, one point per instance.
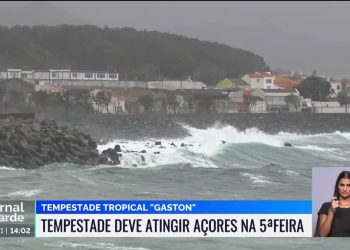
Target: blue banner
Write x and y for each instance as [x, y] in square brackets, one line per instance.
[173, 207]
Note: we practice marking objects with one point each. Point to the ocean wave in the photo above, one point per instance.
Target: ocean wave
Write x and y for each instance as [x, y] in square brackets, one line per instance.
[22, 193]
[317, 148]
[8, 168]
[255, 178]
[203, 145]
[84, 180]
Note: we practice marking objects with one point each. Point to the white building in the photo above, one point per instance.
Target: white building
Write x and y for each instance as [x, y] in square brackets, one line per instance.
[59, 75]
[336, 86]
[329, 107]
[259, 106]
[173, 85]
[275, 100]
[260, 80]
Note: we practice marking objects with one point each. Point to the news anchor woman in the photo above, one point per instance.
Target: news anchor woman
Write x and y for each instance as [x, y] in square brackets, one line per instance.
[334, 217]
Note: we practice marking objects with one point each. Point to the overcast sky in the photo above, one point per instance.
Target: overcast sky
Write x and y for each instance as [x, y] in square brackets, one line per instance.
[299, 36]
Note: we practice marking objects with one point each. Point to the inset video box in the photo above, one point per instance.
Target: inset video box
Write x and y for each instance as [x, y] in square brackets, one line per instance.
[173, 218]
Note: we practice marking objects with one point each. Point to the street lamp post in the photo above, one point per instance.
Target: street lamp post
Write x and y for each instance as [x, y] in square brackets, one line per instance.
[158, 70]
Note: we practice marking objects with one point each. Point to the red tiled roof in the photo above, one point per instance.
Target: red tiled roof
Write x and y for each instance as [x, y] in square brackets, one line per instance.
[52, 88]
[332, 80]
[287, 82]
[259, 74]
[346, 82]
[285, 85]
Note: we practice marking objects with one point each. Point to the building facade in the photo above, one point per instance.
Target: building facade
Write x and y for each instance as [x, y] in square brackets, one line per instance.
[260, 80]
[57, 75]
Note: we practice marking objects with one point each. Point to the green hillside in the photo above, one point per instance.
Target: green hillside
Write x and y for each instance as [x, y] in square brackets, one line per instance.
[142, 55]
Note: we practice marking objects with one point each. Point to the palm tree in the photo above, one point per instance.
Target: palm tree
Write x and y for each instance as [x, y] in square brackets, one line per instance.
[103, 98]
[292, 100]
[343, 100]
[251, 100]
[146, 101]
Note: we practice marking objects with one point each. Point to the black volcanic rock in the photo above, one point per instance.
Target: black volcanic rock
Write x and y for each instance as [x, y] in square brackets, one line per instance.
[30, 144]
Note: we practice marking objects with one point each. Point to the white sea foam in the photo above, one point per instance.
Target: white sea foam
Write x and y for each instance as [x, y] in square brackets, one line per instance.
[255, 178]
[22, 193]
[7, 168]
[317, 148]
[202, 144]
[292, 173]
[84, 180]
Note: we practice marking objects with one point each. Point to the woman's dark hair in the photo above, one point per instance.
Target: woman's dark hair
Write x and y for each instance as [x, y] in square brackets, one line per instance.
[344, 174]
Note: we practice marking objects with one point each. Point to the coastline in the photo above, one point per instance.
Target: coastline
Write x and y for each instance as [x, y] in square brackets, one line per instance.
[133, 127]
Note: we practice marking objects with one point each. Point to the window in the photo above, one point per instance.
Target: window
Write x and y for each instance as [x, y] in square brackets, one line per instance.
[74, 75]
[23, 75]
[268, 80]
[54, 75]
[88, 75]
[100, 75]
[112, 76]
[338, 87]
[257, 80]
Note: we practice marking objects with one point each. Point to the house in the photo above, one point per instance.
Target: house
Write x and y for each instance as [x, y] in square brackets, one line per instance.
[252, 100]
[277, 100]
[287, 82]
[260, 80]
[229, 83]
[257, 102]
[345, 83]
[224, 106]
[202, 100]
[239, 101]
[336, 87]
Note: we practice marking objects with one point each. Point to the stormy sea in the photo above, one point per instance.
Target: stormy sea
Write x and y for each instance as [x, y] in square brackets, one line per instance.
[219, 162]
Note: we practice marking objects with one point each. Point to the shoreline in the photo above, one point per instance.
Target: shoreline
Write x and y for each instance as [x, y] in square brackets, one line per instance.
[157, 126]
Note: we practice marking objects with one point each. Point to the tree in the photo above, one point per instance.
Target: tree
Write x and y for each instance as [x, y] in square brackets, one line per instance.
[41, 98]
[103, 98]
[314, 87]
[143, 54]
[343, 99]
[146, 101]
[171, 101]
[250, 100]
[292, 100]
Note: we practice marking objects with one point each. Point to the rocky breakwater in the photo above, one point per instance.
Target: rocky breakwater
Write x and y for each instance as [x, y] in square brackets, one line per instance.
[30, 144]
